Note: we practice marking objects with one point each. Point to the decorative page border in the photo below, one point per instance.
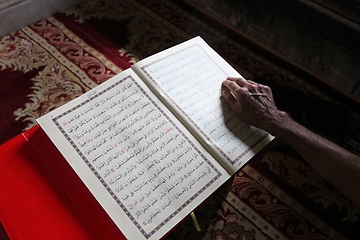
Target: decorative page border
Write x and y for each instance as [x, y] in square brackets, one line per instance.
[94, 171]
[143, 68]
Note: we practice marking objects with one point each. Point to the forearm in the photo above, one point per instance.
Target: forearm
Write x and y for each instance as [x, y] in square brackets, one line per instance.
[254, 104]
[338, 166]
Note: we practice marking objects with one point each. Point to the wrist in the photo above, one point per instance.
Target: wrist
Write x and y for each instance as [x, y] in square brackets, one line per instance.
[278, 123]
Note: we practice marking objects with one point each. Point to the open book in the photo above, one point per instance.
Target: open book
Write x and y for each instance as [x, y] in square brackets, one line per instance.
[156, 140]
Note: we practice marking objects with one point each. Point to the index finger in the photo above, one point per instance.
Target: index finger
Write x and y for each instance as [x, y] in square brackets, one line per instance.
[240, 81]
[231, 86]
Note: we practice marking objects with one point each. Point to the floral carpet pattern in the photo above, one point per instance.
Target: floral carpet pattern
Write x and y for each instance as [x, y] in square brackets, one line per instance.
[275, 196]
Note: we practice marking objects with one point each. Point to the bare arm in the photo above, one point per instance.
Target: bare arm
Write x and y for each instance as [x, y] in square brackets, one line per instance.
[254, 104]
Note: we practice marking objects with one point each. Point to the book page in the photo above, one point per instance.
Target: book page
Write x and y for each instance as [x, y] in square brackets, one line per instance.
[188, 77]
[145, 169]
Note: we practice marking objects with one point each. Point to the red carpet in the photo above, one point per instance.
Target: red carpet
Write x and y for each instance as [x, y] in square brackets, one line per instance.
[276, 196]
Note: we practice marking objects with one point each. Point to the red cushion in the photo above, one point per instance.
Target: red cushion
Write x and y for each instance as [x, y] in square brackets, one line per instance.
[33, 203]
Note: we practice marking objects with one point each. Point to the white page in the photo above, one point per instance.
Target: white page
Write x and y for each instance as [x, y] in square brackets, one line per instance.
[143, 167]
[189, 75]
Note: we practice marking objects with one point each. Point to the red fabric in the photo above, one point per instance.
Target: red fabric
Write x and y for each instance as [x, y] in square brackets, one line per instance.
[33, 205]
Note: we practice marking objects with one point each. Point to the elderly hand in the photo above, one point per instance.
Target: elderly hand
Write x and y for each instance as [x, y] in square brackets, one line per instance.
[252, 102]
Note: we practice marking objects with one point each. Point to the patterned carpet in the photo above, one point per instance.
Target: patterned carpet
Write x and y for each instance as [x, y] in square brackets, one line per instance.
[275, 196]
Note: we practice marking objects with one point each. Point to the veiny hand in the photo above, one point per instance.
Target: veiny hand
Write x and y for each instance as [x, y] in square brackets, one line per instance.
[252, 102]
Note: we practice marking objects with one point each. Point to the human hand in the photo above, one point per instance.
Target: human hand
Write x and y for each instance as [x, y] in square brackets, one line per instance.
[252, 102]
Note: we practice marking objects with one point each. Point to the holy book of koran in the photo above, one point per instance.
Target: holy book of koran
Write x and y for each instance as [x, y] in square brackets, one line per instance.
[153, 142]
